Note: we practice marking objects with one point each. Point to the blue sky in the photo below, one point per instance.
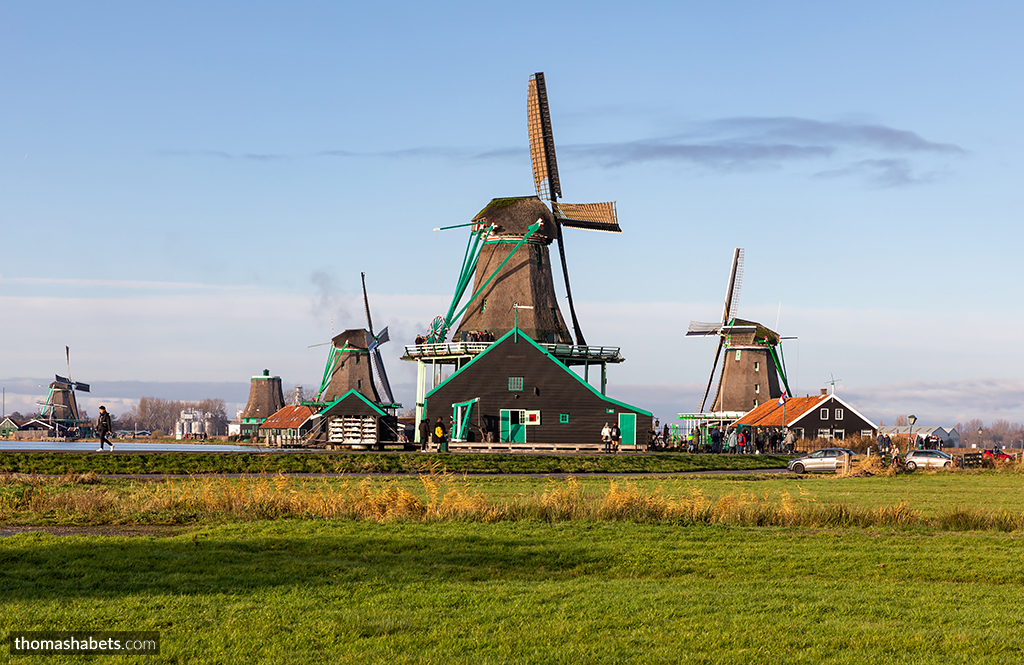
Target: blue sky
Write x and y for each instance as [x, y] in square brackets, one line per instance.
[189, 191]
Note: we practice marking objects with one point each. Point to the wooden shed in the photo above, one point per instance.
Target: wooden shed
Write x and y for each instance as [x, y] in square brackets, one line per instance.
[354, 420]
[516, 394]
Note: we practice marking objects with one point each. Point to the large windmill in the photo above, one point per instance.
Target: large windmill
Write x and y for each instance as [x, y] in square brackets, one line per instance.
[354, 363]
[753, 361]
[508, 253]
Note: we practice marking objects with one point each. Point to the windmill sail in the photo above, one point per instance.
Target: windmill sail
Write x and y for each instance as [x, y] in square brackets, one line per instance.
[542, 140]
[373, 343]
[589, 216]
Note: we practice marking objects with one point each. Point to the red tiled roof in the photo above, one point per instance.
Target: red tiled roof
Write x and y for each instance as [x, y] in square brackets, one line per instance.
[770, 414]
[289, 417]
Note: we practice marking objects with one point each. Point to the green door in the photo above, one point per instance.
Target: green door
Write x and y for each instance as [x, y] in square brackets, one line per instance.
[627, 426]
[512, 429]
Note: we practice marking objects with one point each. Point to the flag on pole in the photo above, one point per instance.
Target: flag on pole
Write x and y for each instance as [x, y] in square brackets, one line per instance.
[782, 400]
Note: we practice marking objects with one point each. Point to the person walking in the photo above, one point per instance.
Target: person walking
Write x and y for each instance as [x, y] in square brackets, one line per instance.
[616, 436]
[104, 426]
[424, 433]
[732, 440]
[440, 431]
[606, 437]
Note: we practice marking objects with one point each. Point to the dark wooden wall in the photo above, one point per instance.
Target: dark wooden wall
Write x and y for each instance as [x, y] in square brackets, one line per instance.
[547, 387]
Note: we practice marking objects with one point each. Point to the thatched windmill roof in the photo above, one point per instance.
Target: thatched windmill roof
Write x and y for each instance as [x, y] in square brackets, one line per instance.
[514, 215]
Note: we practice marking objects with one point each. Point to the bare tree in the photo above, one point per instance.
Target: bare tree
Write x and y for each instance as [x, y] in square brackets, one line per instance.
[901, 421]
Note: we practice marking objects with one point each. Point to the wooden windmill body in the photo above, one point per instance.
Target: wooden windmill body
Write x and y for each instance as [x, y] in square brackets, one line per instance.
[525, 278]
[753, 365]
[351, 369]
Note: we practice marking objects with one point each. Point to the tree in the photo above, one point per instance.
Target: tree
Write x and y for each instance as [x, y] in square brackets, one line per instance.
[901, 421]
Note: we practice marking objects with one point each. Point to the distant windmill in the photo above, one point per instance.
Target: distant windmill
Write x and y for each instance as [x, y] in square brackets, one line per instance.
[833, 382]
[345, 369]
[750, 375]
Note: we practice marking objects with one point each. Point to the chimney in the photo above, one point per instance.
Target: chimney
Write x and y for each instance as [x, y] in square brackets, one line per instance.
[824, 391]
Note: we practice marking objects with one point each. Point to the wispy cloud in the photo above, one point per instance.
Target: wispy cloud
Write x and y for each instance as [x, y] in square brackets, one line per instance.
[118, 284]
[877, 154]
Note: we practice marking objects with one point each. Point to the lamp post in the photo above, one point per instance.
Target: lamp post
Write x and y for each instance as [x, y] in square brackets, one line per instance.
[979, 437]
[910, 440]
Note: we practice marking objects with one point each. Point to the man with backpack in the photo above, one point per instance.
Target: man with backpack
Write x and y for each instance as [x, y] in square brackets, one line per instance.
[104, 426]
[616, 435]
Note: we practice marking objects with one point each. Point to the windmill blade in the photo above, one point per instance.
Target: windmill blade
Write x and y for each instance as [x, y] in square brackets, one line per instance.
[382, 378]
[542, 140]
[372, 342]
[711, 379]
[366, 303]
[732, 294]
[704, 329]
[589, 216]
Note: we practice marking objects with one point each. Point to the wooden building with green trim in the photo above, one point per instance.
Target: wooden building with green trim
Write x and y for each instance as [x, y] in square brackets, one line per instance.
[518, 395]
[354, 420]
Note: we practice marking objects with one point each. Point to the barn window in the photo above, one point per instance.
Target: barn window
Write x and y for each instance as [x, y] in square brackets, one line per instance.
[824, 414]
[515, 383]
[757, 366]
[483, 305]
[839, 414]
[563, 418]
[757, 388]
[737, 354]
[554, 315]
[609, 410]
[755, 403]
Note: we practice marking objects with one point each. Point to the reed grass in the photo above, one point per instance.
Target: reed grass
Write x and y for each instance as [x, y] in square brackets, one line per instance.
[440, 497]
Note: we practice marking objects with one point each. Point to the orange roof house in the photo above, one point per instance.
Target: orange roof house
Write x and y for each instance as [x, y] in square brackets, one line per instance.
[288, 424]
[821, 416]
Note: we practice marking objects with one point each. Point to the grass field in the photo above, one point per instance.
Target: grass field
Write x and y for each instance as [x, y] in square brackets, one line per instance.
[363, 592]
[194, 463]
[586, 570]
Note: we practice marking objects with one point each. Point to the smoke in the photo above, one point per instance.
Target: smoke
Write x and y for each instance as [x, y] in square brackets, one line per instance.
[327, 298]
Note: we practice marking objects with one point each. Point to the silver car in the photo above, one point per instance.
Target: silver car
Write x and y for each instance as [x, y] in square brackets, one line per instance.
[928, 459]
[822, 459]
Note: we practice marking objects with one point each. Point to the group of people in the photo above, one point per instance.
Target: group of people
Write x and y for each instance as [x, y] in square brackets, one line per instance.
[479, 336]
[742, 441]
[471, 336]
[438, 433]
[611, 435]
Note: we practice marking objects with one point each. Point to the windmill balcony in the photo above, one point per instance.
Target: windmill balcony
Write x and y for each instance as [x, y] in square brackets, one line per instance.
[569, 354]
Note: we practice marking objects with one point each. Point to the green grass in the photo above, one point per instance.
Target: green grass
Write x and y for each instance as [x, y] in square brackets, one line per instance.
[195, 463]
[363, 592]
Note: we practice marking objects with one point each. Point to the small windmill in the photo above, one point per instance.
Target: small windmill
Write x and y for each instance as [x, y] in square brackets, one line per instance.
[345, 369]
[589, 216]
[755, 347]
[373, 342]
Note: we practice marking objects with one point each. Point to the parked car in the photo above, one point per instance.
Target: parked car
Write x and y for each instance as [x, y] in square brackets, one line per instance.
[928, 459]
[823, 459]
[995, 454]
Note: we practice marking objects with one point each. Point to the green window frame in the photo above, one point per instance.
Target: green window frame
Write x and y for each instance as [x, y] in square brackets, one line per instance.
[515, 383]
[563, 418]
[483, 305]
